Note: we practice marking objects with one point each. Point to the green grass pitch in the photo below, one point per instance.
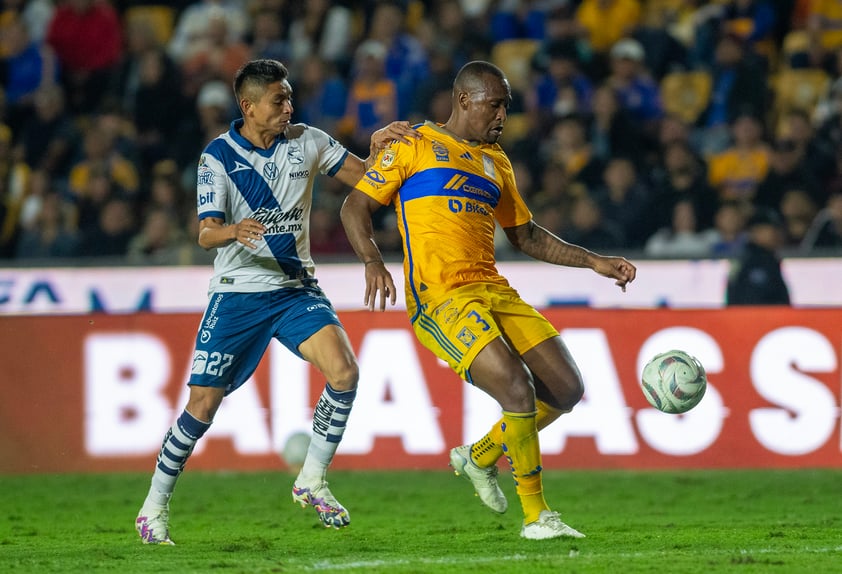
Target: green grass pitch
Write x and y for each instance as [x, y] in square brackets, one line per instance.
[666, 522]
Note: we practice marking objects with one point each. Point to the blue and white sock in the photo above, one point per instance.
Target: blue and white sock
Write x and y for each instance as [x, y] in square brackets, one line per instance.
[329, 419]
[175, 450]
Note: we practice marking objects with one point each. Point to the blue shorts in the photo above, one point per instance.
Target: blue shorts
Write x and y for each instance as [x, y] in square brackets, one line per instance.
[238, 327]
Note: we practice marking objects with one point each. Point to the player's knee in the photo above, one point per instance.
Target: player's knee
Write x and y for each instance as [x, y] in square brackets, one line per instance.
[576, 390]
[345, 377]
[519, 396]
[570, 394]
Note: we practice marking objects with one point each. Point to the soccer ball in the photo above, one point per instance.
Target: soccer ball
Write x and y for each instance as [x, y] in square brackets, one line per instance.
[295, 450]
[674, 382]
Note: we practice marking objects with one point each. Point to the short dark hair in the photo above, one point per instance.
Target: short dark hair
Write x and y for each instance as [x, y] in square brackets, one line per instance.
[259, 74]
[470, 76]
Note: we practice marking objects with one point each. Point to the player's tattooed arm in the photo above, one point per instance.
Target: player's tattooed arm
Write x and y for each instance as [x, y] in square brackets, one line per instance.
[539, 243]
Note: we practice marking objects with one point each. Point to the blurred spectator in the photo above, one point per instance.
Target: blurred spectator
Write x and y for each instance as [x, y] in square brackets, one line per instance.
[682, 176]
[823, 19]
[166, 192]
[52, 234]
[432, 96]
[739, 87]
[756, 277]
[561, 88]
[606, 22]
[142, 89]
[35, 14]
[192, 25]
[589, 228]
[113, 231]
[216, 54]
[683, 238]
[159, 240]
[729, 224]
[637, 92]
[447, 30]
[326, 234]
[406, 61]
[516, 19]
[372, 97]
[825, 232]
[611, 131]
[751, 21]
[321, 95]
[737, 172]
[323, 29]
[798, 210]
[816, 154]
[624, 201]
[663, 52]
[672, 129]
[267, 36]
[214, 113]
[40, 185]
[86, 36]
[569, 148]
[14, 185]
[100, 155]
[26, 66]
[554, 195]
[49, 139]
[787, 170]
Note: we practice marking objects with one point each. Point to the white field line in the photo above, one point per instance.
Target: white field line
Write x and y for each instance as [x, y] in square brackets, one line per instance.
[323, 565]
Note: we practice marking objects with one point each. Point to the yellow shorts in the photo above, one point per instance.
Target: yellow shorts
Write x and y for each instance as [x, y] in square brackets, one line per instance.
[456, 327]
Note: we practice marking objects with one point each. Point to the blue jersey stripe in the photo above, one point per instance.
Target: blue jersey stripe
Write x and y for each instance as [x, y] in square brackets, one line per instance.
[450, 182]
[257, 193]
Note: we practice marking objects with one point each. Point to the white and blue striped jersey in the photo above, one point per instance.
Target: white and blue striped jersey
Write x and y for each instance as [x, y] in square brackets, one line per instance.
[274, 186]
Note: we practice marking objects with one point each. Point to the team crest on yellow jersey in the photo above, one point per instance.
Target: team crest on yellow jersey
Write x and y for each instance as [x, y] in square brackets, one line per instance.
[466, 337]
[388, 158]
[440, 151]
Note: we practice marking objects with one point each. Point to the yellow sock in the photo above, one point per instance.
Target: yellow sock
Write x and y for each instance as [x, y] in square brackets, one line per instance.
[522, 450]
[487, 450]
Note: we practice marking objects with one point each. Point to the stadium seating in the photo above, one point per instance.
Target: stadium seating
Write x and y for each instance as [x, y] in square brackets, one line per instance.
[514, 57]
[161, 16]
[686, 94]
[797, 89]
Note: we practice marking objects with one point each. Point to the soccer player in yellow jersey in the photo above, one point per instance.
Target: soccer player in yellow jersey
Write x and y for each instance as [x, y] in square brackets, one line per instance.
[448, 188]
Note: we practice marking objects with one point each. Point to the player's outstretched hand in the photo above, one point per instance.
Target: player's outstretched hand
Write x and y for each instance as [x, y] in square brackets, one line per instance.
[617, 268]
[396, 131]
[378, 280]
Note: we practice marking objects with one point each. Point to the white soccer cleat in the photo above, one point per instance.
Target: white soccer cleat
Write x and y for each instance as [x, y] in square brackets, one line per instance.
[153, 526]
[331, 512]
[548, 525]
[483, 479]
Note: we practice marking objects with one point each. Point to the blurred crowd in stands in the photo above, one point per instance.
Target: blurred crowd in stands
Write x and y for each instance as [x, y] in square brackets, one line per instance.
[656, 126]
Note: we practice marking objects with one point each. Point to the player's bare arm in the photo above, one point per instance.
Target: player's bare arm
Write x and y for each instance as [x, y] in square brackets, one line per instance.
[354, 168]
[537, 242]
[356, 218]
[213, 232]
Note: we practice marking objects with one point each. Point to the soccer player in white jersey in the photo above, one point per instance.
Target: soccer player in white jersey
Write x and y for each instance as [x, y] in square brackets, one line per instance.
[254, 194]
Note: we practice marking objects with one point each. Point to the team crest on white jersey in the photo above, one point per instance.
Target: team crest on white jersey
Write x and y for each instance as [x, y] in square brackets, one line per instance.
[270, 171]
[295, 155]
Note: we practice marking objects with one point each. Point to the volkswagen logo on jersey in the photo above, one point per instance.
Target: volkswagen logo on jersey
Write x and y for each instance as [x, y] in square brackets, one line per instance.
[270, 171]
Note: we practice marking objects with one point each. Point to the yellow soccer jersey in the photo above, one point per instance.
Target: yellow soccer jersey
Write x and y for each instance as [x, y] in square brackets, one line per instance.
[447, 193]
